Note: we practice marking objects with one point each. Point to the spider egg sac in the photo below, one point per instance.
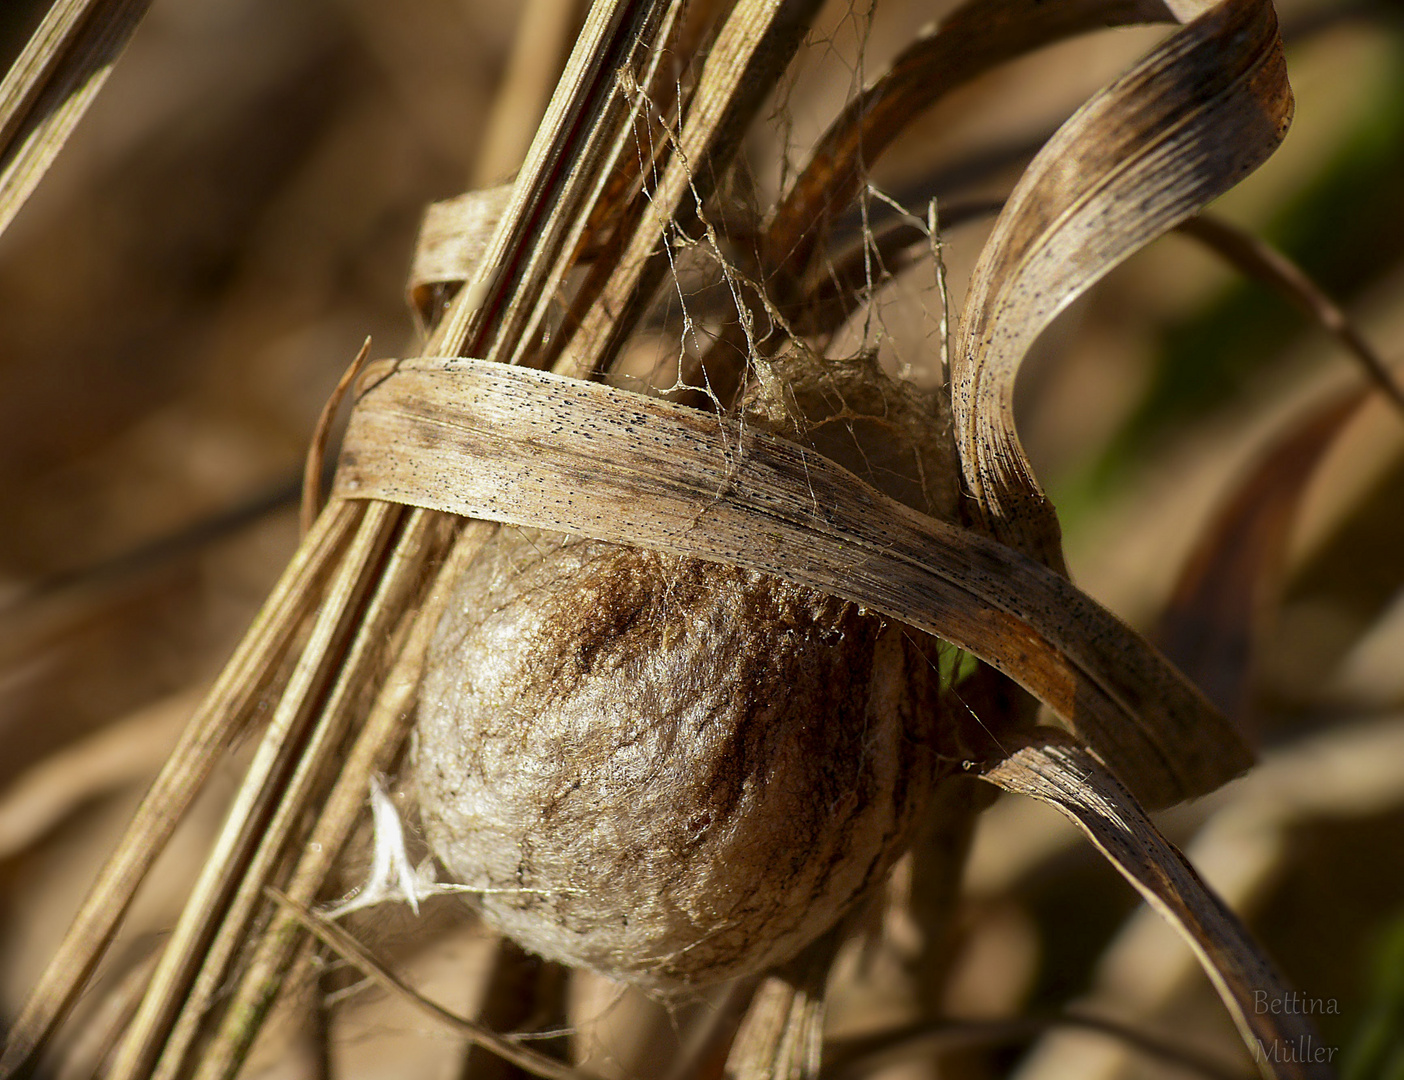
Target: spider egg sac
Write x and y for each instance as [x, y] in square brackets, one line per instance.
[669, 771]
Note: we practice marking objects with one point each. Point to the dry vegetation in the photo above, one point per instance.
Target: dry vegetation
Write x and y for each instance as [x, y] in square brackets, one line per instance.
[239, 210]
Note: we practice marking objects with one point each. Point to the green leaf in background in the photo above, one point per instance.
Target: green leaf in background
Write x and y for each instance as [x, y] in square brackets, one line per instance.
[1377, 1051]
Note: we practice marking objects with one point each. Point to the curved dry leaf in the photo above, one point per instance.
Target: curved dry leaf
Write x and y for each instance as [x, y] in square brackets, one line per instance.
[1211, 621]
[1351, 771]
[530, 448]
[1193, 118]
[1059, 772]
[977, 36]
[315, 463]
[1213, 615]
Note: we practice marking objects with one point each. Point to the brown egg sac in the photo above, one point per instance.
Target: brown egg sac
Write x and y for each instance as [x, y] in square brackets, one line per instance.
[666, 770]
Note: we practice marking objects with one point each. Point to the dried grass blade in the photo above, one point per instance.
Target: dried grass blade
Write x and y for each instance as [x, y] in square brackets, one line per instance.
[549, 176]
[315, 463]
[556, 244]
[351, 950]
[748, 56]
[1350, 771]
[862, 1056]
[605, 41]
[531, 448]
[397, 593]
[226, 710]
[1196, 115]
[616, 161]
[781, 1036]
[1217, 608]
[1064, 775]
[50, 86]
[974, 38]
[375, 748]
[253, 804]
[462, 238]
[1258, 259]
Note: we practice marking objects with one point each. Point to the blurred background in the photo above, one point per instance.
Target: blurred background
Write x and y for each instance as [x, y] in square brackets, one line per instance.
[238, 212]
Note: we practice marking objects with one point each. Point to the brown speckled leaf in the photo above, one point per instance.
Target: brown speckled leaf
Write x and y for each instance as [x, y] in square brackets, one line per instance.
[1187, 123]
[531, 448]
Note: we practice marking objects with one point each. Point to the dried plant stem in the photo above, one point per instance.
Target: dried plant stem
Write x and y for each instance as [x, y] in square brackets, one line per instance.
[376, 746]
[397, 592]
[226, 710]
[49, 88]
[605, 42]
[1258, 259]
[617, 155]
[781, 1035]
[758, 36]
[610, 29]
[599, 150]
[861, 1057]
[317, 449]
[351, 950]
[254, 804]
[540, 44]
